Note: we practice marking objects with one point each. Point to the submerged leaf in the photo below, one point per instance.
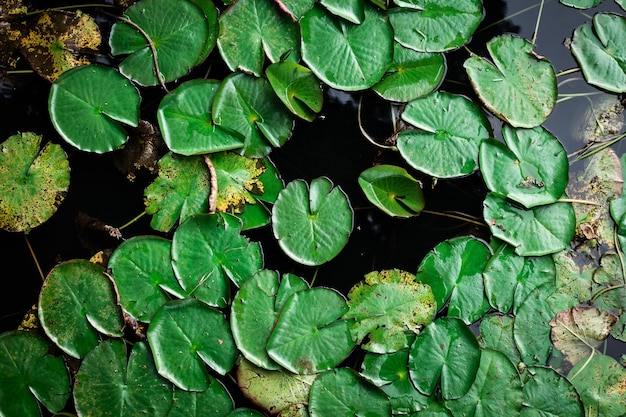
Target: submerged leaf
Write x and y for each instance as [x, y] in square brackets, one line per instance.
[387, 307]
[33, 181]
[578, 331]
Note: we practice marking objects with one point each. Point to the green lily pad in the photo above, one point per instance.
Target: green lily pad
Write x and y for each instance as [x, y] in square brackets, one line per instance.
[393, 190]
[509, 277]
[445, 355]
[496, 332]
[141, 268]
[578, 331]
[453, 269]
[185, 120]
[208, 253]
[342, 392]
[215, 401]
[354, 65]
[519, 87]
[310, 336]
[88, 116]
[351, 10]
[548, 393]
[581, 4]
[295, 8]
[533, 232]
[297, 87]
[312, 223]
[179, 32]
[496, 389]
[599, 53]
[123, 385]
[183, 347]
[600, 381]
[450, 131]
[31, 376]
[387, 306]
[238, 181]
[608, 280]
[77, 305]
[252, 30]
[273, 391]
[531, 329]
[33, 181]
[180, 191]
[255, 309]
[531, 169]
[574, 279]
[412, 74]
[431, 26]
[249, 106]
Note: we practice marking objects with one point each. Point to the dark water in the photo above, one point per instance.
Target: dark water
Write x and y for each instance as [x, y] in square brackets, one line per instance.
[331, 146]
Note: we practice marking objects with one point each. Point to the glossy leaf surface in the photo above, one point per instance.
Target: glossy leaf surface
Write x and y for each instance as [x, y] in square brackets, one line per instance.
[393, 190]
[546, 392]
[89, 117]
[297, 87]
[518, 87]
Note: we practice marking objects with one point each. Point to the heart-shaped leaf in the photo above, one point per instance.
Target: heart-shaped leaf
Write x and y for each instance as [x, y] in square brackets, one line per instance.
[33, 181]
[309, 335]
[519, 87]
[297, 88]
[393, 190]
[532, 167]
[450, 131]
[185, 120]
[599, 51]
[209, 252]
[354, 65]
[533, 232]
[183, 347]
[88, 116]
[251, 30]
[178, 31]
[431, 26]
[351, 10]
[77, 304]
[312, 224]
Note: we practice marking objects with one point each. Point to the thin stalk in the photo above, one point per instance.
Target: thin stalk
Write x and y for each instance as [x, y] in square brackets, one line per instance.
[454, 216]
[32, 253]
[568, 71]
[599, 147]
[573, 200]
[133, 220]
[75, 6]
[529, 8]
[24, 71]
[537, 23]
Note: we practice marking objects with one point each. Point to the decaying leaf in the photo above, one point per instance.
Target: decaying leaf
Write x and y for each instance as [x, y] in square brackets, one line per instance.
[237, 180]
[57, 41]
[576, 332]
[141, 152]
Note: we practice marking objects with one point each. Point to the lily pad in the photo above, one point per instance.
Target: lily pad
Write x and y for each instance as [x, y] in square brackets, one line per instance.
[387, 306]
[178, 31]
[342, 392]
[533, 232]
[88, 116]
[599, 53]
[208, 253]
[252, 30]
[215, 401]
[531, 329]
[77, 305]
[297, 87]
[182, 347]
[412, 74]
[530, 169]
[600, 381]
[519, 87]
[548, 393]
[141, 268]
[445, 355]
[450, 131]
[578, 331]
[249, 106]
[496, 332]
[310, 336]
[180, 191]
[255, 309]
[33, 181]
[393, 190]
[31, 376]
[312, 223]
[453, 269]
[273, 391]
[185, 120]
[351, 10]
[431, 26]
[581, 4]
[238, 181]
[295, 8]
[354, 65]
[124, 385]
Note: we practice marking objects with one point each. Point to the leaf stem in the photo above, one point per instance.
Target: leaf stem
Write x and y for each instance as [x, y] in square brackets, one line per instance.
[133, 220]
[597, 147]
[464, 218]
[537, 24]
[32, 253]
[573, 200]
[68, 7]
[568, 71]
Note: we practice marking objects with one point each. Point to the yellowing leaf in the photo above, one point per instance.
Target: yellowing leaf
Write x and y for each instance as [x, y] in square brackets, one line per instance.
[237, 181]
